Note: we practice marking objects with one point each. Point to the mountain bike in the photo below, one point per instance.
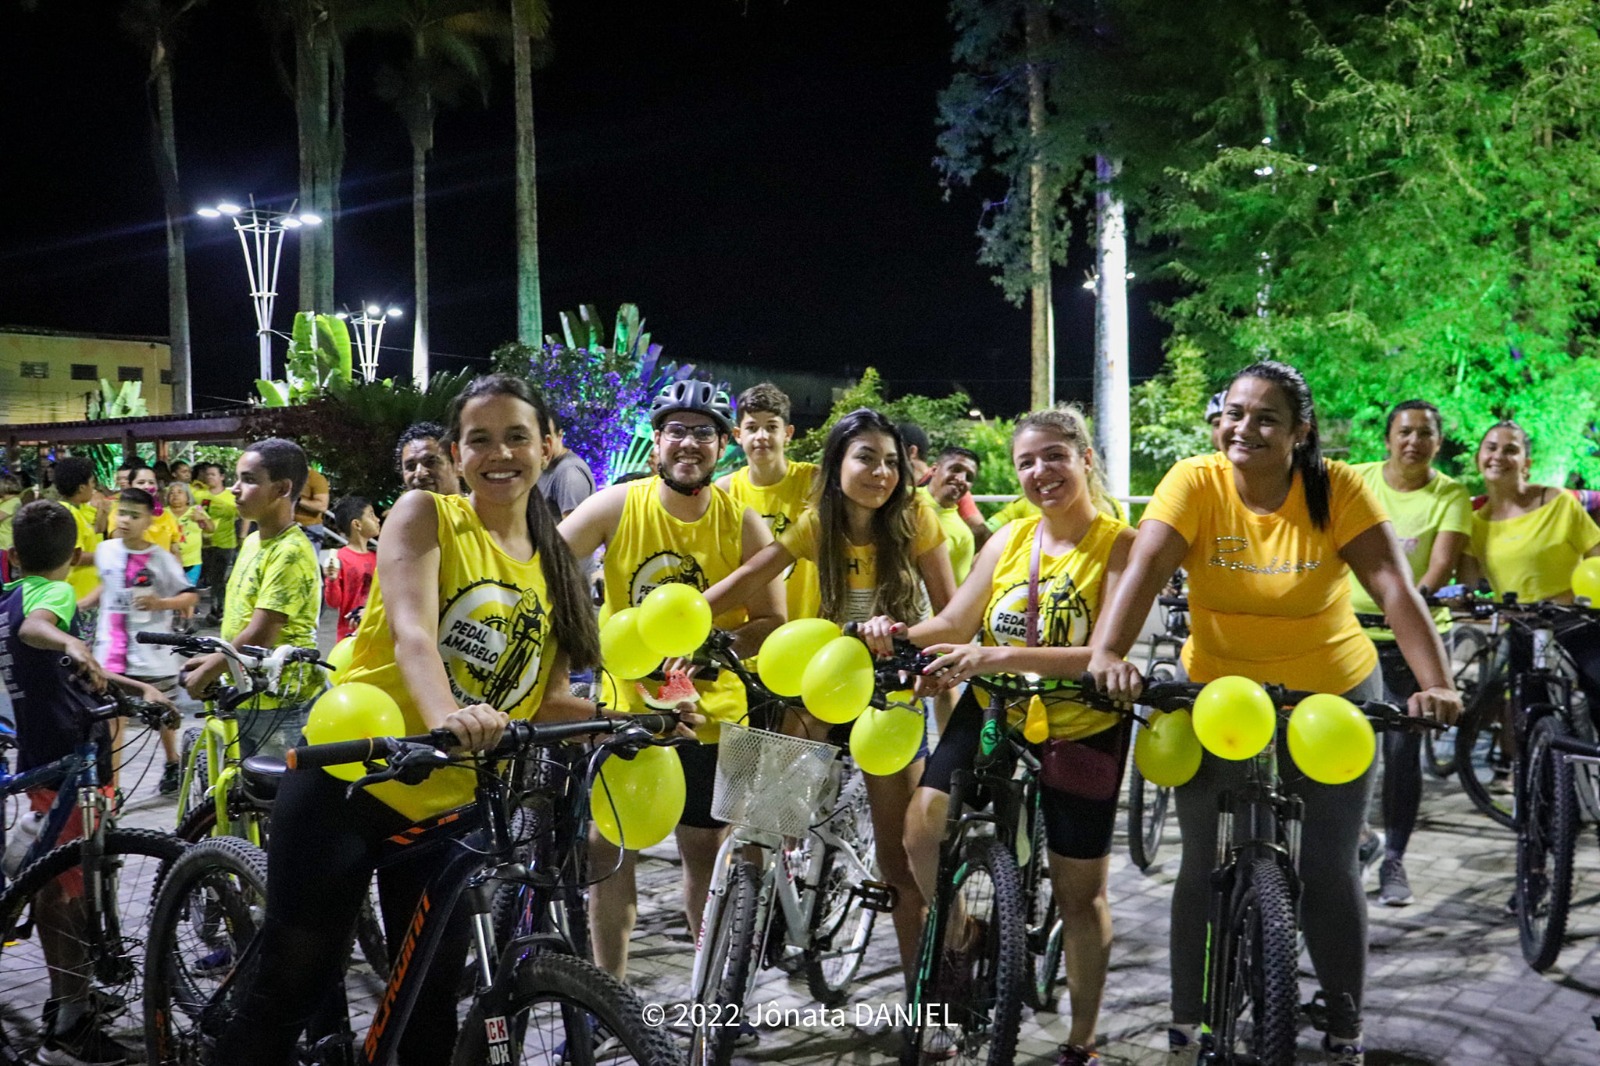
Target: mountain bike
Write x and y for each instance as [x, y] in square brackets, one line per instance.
[1251, 998]
[1148, 803]
[533, 1001]
[106, 873]
[796, 880]
[993, 875]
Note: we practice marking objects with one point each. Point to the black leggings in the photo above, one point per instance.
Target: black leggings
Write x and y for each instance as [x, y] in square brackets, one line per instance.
[320, 856]
[1402, 756]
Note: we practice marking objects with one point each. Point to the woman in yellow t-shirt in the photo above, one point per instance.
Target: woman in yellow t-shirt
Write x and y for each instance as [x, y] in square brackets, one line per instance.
[477, 612]
[879, 549]
[1057, 565]
[1267, 531]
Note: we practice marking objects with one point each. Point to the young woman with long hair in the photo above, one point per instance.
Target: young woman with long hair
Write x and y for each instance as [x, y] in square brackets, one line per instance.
[494, 561]
[1267, 531]
[879, 550]
[1056, 565]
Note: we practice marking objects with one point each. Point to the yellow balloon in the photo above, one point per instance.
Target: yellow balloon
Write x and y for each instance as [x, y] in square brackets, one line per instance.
[1234, 718]
[674, 619]
[837, 684]
[636, 803]
[341, 655]
[884, 742]
[1036, 723]
[353, 711]
[788, 649]
[1166, 751]
[622, 650]
[1330, 739]
[1586, 580]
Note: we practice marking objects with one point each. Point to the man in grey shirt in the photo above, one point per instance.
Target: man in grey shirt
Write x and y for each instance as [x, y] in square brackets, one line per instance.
[567, 481]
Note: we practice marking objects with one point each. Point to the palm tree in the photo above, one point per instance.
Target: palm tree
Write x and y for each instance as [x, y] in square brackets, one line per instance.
[444, 56]
[153, 25]
[530, 24]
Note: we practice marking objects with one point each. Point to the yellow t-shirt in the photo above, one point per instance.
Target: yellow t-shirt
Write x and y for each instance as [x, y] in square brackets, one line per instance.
[223, 511]
[188, 544]
[1418, 516]
[84, 579]
[1268, 594]
[8, 509]
[780, 506]
[861, 581]
[957, 534]
[1534, 554]
[494, 639]
[652, 548]
[163, 531]
[1021, 508]
[1069, 600]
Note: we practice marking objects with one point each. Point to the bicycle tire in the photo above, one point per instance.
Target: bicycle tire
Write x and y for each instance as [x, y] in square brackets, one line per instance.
[198, 785]
[1260, 976]
[1468, 650]
[841, 928]
[1045, 928]
[730, 940]
[1147, 804]
[1546, 841]
[984, 1000]
[580, 991]
[181, 1015]
[117, 976]
[1479, 748]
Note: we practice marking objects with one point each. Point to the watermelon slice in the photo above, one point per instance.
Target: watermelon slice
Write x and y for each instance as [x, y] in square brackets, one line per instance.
[676, 689]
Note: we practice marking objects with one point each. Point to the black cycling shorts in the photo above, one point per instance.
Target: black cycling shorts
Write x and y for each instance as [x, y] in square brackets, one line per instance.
[1076, 828]
[699, 781]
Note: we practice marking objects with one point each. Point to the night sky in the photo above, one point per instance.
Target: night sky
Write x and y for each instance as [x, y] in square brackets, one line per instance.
[759, 181]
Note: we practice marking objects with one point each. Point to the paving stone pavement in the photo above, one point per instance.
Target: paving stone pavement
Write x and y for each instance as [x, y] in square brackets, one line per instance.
[1446, 982]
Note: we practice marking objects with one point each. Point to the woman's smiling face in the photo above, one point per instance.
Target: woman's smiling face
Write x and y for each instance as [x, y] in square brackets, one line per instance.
[500, 450]
[871, 469]
[1258, 429]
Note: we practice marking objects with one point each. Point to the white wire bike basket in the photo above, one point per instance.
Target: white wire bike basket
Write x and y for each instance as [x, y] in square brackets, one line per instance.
[768, 781]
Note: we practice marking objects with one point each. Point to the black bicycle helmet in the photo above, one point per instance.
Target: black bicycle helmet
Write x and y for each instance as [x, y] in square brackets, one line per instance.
[1214, 407]
[692, 394]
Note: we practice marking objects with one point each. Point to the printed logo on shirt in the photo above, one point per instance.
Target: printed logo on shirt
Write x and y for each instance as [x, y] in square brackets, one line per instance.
[665, 568]
[1063, 615]
[491, 638]
[1229, 545]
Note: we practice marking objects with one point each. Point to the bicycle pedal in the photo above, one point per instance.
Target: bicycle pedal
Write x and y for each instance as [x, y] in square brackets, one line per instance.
[876, 896]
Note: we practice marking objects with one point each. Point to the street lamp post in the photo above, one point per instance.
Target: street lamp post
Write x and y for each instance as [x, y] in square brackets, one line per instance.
[261, 233]
[369, 335]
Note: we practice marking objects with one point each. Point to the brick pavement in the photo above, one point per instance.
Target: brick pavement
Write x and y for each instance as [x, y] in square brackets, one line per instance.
[1446, 986]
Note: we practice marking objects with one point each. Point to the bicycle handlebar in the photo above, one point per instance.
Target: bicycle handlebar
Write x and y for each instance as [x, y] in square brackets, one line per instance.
[174, 640]
[1180, 695]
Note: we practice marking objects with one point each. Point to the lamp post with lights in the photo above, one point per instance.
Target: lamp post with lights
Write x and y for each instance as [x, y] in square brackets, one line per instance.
[261, 231]
[369, 335]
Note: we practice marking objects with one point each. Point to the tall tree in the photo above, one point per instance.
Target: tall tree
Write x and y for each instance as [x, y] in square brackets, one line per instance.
[530, 28]
[154, 26]
[444, 57]
[1042, 333]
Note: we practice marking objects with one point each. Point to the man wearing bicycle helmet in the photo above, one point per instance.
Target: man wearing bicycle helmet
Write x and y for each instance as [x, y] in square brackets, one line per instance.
[675, 526]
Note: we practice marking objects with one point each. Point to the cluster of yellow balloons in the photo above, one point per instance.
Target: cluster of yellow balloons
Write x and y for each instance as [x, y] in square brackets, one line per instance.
[637, 802]
[1586, 580]
[1330, 740]
[673, 619]
[354, 710]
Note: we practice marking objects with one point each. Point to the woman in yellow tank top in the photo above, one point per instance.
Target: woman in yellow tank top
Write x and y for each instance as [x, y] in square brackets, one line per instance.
[476, 614]
[1081, 552]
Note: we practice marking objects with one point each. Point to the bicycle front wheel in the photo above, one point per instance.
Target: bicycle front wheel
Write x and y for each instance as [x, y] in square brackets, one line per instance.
[566, 1010]
[1545, 844]
[1045, 928]
[1483, 761]
[732, 960]
[840, 926]
[97, 914]
[208, 909]
[1258, 996]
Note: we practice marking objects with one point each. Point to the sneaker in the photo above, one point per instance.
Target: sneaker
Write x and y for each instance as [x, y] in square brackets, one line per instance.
[748, 1036]
[218, 961]
[1370, 850]
[1183, 1044]
[1394, 889]
[85, 1044]
[171, 778]
[1341, 1053]
[1073, 1055]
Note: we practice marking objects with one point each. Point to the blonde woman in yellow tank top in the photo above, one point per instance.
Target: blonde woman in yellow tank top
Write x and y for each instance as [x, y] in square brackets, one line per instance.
[1081, 552]
[477, 611]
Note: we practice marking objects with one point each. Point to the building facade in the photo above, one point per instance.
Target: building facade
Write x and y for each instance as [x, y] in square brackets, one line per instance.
[50, 376]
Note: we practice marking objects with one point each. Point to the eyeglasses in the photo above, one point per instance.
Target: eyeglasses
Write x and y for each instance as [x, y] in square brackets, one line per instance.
[677, 432]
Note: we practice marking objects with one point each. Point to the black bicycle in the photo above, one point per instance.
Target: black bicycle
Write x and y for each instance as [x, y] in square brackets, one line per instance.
[1148, 803]
[1251, 999]
[533, 1000]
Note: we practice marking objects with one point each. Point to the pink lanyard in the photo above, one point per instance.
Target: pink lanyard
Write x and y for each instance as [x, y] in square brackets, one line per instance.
[1033, 586]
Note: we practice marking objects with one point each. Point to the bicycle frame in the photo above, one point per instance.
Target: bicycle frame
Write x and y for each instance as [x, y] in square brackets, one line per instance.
[219, 739]
[77, 781]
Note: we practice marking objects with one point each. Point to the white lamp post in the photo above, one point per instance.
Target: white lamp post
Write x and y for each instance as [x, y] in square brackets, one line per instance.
[369, 335]
[260, 233]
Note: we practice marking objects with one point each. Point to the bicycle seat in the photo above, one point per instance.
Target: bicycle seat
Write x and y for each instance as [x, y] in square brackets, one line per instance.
[261, 776]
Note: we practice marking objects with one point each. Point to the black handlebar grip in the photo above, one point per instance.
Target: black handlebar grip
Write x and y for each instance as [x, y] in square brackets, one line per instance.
[175, 640]
[364, 750]
[1173, 601]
